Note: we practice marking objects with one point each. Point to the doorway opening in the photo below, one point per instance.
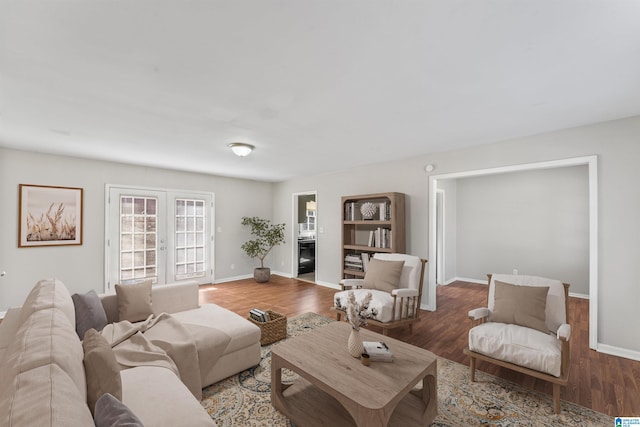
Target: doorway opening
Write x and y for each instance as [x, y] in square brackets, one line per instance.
[304, 220]
[440, 238]
[436, 181]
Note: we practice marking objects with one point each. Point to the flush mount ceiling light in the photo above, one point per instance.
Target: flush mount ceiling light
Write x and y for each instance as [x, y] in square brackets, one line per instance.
[241, 149]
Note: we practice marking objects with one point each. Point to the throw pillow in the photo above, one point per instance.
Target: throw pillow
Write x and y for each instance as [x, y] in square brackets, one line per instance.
[100, 367]
[134, 301]
[383, 275]
[110, 412]
[520, 305]
[89, 312]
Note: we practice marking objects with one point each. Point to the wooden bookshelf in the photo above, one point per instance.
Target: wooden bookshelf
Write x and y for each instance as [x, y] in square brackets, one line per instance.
[384, 232]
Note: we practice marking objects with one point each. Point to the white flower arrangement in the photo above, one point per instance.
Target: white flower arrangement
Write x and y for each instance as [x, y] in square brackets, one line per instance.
[358, 313]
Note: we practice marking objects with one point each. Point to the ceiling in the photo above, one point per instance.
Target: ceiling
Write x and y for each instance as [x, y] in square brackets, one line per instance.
[315, 85]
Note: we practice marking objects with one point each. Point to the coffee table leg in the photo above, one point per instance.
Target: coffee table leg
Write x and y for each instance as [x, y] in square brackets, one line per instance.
[430, 395]
[276, 382]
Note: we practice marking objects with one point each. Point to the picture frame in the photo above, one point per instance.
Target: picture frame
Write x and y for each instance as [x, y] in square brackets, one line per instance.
[49, 216]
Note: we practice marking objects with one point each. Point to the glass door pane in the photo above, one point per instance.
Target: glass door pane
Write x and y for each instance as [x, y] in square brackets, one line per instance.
[138, 238]
[190, 232]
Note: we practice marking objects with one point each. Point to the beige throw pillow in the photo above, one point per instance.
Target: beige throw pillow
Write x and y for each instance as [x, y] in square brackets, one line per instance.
[101, 368]
[134, 301]
[520, 305]
[383, 275]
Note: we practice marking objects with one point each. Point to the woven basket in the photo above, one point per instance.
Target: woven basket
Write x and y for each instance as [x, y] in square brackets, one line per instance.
[273, 330]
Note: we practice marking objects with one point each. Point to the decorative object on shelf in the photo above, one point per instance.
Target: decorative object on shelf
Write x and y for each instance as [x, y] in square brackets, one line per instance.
[241, 149]
[49, 216]
[267, 236]
[357, 315]
[368, 210]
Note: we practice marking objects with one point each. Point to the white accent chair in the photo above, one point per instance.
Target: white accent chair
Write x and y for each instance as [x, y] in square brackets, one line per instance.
[541, 350]
[395, 305]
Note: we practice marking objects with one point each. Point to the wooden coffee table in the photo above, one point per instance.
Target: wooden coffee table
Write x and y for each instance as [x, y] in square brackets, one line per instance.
[335, 389]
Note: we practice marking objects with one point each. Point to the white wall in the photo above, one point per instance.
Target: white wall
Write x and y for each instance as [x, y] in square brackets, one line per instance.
[618, 149]
[81, 267]
[535, 221]
[615, 143]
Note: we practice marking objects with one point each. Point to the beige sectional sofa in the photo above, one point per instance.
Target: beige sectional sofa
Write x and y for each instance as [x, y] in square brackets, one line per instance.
[41, 360]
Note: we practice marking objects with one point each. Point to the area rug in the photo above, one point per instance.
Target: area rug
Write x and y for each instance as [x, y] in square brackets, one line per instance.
[245, 399]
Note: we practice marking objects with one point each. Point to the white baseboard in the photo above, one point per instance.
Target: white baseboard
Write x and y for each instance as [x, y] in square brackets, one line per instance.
[248, 276]
[329, 285]
[484, 282]
[618, 351]
[426, 307]
[466, 279]
[576, 295]
[280, 273]
[231, 279]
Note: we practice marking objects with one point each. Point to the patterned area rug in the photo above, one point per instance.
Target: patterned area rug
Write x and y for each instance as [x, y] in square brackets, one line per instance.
[245, 400]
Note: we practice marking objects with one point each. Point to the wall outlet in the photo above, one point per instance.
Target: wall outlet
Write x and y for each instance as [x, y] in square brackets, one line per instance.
[233, 266]
[515, 271]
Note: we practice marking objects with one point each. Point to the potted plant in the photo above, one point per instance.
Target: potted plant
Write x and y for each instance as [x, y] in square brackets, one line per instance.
[267, 236]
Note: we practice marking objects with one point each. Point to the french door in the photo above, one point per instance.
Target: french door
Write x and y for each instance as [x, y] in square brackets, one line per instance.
[164, 236]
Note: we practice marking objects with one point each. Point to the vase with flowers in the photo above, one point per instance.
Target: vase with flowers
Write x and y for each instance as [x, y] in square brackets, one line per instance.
[357, 315]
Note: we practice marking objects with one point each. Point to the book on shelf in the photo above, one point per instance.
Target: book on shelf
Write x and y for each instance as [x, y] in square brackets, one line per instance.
[365, 261]
[384, 211]
[353, 262]
[380, 238]
[259, 315]
[378, 351]
[352, 211]
[356, 261]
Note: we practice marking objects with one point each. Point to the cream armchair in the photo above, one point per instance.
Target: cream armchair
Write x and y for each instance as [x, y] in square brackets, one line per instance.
[524, 328]
[395, 282]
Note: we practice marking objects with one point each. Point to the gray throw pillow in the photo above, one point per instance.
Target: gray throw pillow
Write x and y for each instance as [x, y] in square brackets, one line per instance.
[110, 412]
[89, 312]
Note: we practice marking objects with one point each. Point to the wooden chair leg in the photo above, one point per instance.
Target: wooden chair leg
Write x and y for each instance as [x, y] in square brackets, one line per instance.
[411, 328]
[556, 398]
[472, 368]
[338, 316]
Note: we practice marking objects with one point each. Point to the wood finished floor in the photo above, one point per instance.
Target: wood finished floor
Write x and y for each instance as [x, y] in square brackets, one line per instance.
[605, 383]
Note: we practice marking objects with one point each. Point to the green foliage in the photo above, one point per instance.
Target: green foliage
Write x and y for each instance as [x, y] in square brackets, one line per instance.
[266, 235]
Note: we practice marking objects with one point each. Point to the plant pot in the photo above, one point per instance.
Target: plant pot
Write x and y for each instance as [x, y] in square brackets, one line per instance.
[261, 275]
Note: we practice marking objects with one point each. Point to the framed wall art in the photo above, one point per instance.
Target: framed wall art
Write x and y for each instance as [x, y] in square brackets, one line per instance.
[49, 216]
